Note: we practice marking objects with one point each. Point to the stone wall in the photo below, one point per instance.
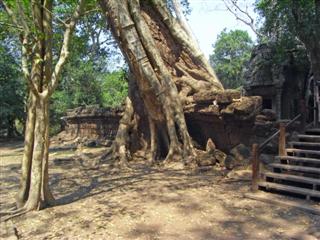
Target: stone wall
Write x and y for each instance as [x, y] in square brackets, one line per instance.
[225, 117]
[92, 123]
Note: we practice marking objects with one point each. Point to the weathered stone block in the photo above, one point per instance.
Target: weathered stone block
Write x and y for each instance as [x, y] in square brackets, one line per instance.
[241, 154]
[269, 114]
[222, 97]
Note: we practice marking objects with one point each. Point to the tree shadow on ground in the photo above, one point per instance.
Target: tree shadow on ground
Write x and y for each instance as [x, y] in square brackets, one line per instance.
[72, 182]
[9, 181]
[146, 181]
[14, 144]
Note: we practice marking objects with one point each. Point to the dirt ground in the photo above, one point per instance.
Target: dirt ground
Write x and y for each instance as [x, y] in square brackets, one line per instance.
[147, 203]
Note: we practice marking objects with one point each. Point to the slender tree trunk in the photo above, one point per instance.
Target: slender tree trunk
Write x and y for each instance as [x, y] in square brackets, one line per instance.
[46, 193]
[23, 192]
[34, 192]
[39, 195]
[168, 69]
[33, 201]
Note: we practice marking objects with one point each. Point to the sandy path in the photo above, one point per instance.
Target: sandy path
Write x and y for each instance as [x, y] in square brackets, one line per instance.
[147, 204]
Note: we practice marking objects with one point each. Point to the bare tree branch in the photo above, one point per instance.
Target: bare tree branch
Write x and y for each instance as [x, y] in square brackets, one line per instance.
[181, 18]
[24, 64]
[59, 19]
[64, 49]
[11, 25]
[249, 21]
[24, 44]
[11, 14]
[90, 11]
[23, 17]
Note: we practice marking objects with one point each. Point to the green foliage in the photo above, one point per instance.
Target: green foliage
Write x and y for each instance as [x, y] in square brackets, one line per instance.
[114, 88]
[291, 23]
[80, 72]
[232, 51]
[292, 26]
[84, 85]
[92, 52]
[12, 89]
[296, 17]
[79, 86]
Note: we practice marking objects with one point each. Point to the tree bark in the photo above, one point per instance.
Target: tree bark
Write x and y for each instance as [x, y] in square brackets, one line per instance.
[168, 70]
[34, 192]
[23, 191]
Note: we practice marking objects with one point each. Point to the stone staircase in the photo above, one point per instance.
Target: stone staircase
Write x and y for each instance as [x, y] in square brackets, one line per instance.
[297, 173]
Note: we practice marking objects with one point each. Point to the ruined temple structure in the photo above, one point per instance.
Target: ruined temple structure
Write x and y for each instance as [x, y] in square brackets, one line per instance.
[225, 117]
[91, 123]
[280, 85]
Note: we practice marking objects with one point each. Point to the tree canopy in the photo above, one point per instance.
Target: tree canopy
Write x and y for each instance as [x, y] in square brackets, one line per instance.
[294, 25]
[12, 91]
[232, 50]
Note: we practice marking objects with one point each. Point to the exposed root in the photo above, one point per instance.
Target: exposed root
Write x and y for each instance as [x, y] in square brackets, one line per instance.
[173, 154]
[114, 159]
[12, 214]
[153, 141]
[125, 167]
[105, 156]
[12, 208]
[10, 211]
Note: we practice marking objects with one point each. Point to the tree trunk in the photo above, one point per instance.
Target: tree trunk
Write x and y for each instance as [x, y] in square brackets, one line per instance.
[39, 195]
[42, 79]
[23, 192]
[34, 192]
[168, 70]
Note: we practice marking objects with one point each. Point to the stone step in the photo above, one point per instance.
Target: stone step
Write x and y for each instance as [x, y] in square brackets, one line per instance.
[293, 178]
[315, 131]
[296, 168]
[278, 200]
[305, 151]
[290, 189]
[314, 138]
[305, 144]
[299, 159]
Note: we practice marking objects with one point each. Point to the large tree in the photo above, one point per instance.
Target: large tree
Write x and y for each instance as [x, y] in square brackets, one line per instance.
[168, 69]
[41, 67]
